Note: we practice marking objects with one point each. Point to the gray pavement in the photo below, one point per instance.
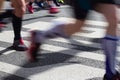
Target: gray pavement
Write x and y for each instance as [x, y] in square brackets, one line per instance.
[78, 58]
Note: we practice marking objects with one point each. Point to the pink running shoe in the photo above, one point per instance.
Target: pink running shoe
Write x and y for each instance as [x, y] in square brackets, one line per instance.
[34, 46]
[115, 77]
[1, 26]
[30, 8]
[54, 10]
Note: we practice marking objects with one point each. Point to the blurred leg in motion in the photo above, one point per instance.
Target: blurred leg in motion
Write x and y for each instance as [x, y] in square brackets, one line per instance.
[1, 24]
[81, 9]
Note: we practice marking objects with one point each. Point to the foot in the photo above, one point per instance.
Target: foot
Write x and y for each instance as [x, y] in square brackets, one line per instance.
[115, 77]
[34, 46]
[30, 8]
[54, 10]
[18, 45]
[2, 25]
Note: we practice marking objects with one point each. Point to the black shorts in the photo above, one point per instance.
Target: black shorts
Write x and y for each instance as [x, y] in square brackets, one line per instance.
[81, 7]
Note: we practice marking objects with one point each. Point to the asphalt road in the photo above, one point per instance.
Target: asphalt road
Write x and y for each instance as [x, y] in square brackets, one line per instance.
[78, 58]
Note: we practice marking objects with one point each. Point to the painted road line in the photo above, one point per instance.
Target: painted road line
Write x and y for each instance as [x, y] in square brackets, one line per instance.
[54, 72]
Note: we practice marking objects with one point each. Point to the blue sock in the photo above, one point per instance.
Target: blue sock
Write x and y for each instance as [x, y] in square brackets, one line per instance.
[110, 47]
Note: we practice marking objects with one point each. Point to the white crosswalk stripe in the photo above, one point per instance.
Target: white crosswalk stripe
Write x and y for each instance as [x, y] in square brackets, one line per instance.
[67, 71]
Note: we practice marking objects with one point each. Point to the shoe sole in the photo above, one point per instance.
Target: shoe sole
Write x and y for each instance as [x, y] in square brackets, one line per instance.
[19, 49]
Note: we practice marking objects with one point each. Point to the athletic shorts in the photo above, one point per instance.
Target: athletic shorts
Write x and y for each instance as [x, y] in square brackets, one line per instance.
[81, 7]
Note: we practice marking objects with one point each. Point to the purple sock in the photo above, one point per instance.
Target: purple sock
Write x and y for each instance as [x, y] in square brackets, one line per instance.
[109, 45]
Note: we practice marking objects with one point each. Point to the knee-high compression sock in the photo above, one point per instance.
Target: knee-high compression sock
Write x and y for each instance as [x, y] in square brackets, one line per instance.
[110, 50]
[17, 24]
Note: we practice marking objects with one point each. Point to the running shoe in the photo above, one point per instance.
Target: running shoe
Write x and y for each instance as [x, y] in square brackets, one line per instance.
[1, 26]
[34, 46]
[54, 10]
[115, 77]
[19, 45]
[30, 8]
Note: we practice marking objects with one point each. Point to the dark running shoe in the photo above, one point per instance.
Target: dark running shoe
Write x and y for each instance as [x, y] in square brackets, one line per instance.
[115, 77]
[34, 46]
[40, 4]
[18, 45]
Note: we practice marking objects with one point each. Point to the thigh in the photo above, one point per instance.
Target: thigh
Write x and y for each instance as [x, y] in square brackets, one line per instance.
[80, 9]
[20, 7]
[1, 2]
[109, 11]
[18, 3]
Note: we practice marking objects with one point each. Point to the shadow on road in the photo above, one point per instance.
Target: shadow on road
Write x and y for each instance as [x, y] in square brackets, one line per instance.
[49, 60]
[6, 50]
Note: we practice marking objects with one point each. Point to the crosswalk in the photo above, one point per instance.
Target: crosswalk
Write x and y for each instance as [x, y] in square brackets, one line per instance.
[78, 58]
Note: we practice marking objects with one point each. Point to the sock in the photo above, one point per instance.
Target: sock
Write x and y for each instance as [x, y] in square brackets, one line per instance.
[17, 24]
[110, 50]
[57, 30]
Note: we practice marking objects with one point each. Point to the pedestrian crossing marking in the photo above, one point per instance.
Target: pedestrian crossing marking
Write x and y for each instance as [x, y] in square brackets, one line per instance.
[96, 23]
[6, 36]
[53, 73]
[6, 53]
[60, 71]
[41, 25]
[64, 72]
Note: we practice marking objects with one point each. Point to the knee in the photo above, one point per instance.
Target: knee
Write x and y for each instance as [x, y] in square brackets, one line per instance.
[20, 8]
[20, 11]
[113, 21]
[23, 10]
